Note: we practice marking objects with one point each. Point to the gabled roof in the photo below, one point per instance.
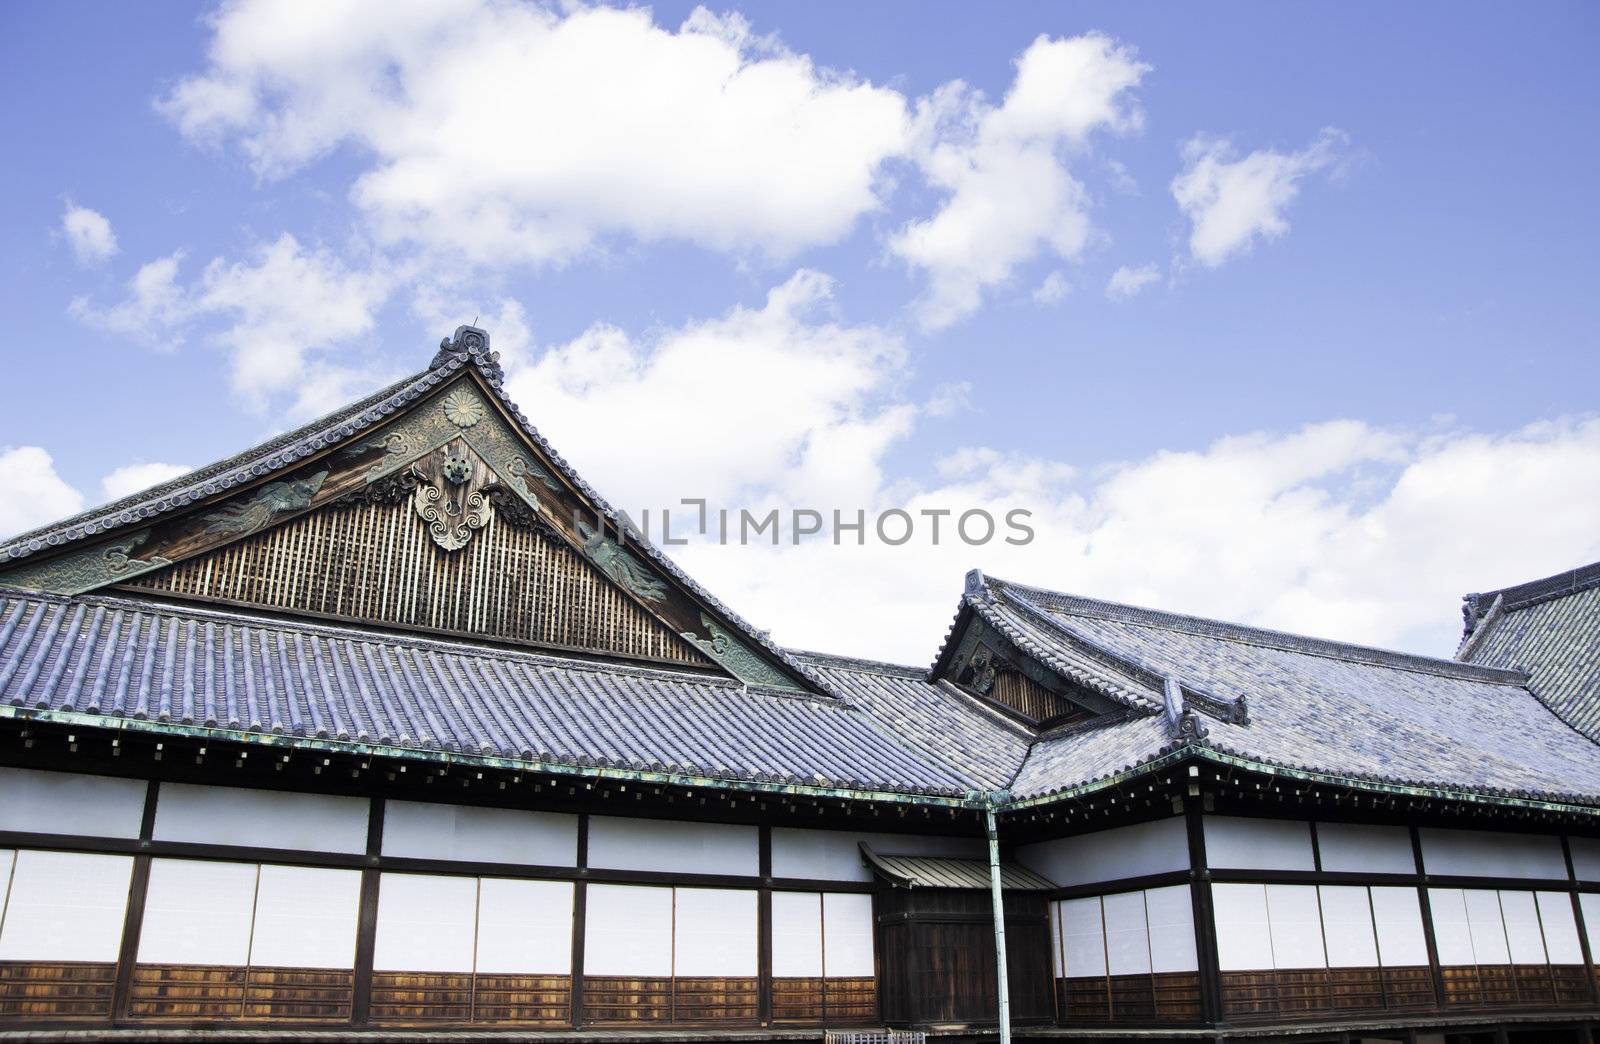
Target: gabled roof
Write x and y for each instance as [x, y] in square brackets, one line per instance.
[1549, 628]
[1324, 707]
[919, 871]
[467, 351]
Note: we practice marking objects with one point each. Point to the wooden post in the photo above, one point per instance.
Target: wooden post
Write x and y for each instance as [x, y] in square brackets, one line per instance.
[1427, 919]
[764, 928]
[1577, 916]
[367, 918]
[133, 916]
[580, 909]
[1205, 924]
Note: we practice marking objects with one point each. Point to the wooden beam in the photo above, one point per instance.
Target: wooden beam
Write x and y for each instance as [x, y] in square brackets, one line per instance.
[367, 918]
[580, 911]
[1205, 925]
[133, 915]
[1427, 918]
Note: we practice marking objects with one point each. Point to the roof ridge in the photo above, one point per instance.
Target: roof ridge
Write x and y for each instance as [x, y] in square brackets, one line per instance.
[1286, 641]
[1532, 592]
[861, 662]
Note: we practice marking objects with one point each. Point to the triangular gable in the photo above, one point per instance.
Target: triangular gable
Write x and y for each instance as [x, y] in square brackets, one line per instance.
[415, 481]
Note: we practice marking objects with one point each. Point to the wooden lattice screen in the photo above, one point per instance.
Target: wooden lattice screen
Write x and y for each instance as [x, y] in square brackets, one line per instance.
[375, 562]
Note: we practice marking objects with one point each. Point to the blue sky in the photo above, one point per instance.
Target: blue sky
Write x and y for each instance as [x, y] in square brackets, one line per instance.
[1349, 373]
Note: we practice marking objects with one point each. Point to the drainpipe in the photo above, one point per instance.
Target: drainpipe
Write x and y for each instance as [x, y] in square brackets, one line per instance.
[999, 920]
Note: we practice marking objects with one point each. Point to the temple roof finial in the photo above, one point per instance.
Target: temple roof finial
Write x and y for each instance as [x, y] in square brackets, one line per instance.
[470, 344]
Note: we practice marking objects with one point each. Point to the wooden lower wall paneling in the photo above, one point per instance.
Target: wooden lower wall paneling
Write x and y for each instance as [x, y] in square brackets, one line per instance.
[1535, 987]
[1499, 984]
[1461, 987]
[1084, 999]
[1355, 989]
[1249, 994]
[797, 1000]
[186, 991]
[56, 989]
[429, 997]
[544, 1000]
[850, 1000]
[1133, 998]
[1408, 988]
[1302, 990]
[613, 999]
[1177, 996]
[299, 994]
[715, 999]
[1571, 984]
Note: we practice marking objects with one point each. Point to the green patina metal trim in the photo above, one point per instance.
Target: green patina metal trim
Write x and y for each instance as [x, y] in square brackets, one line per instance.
[1201, 753]
[971, 800]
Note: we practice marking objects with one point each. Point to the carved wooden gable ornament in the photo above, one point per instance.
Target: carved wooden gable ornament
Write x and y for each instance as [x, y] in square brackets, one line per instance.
[446, 514]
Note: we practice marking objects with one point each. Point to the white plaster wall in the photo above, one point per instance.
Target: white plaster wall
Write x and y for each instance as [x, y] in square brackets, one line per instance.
[1397, 917]
[1127, 935]
[425, 923]
[1452, 935]
[715, 932]
[835, 855]
[1560, 929]
[1170, 912]
[628, 931]
[1083, 937]
[305, 917]
[70, 803]
[1365, 848]
[1523, 933]
[1482, 853]
[425, 830]
[797, 934]
[1487, 926]
[1244, 940]
[260, 818]
[1347, 926]
[65, 906]
[1589, 903]
[1239, 843]
[617, 843]
[1156, 847]
[524, 927]
[846, 935]
[1296, 920]
[198, 912]
[1585, 858]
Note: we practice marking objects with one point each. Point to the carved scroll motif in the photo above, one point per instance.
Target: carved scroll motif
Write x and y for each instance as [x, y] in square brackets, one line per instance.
[86, 569]
[735, 656]
[451, 495]
[620, 565]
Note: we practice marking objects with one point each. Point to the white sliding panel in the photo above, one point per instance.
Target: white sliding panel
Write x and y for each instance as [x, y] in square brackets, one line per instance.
[1560, 928]
[1487, 926]
[628, 931]
[797, 935]
[65, 906]
[715, 932]
[1481, 853]
[1244, 939]
[1589, 904]
[524, 927]
[1347, 927]
[1296, 920]
[1239, 843]
[1157, 847]
[1397, 915]
[1171, 914]
[70, 803]
[1524, 935]
[1452, 935]
[424, 830]
[1083, 937]
[261, 818]
[306, 917]
[425, 923]
[1127, 935]
[1365, 848]
[847, 935]
[617, 843]
[198, 912]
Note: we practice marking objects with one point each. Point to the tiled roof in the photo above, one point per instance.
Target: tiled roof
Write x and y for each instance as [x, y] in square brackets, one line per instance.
[1323, 707]
[130, 659]
[943, 723]
[916, 871]
[1549, 628]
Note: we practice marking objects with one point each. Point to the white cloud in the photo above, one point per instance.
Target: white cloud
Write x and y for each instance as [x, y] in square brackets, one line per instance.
[89, 234]
[35, 494]
[519, 132]
[132, 478]
[279, 314]
[1127, 283]
[1231, 202]
[1053, 290]
[1009, 193]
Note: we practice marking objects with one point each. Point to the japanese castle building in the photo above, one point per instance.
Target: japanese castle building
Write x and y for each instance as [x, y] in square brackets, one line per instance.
[366, 734]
